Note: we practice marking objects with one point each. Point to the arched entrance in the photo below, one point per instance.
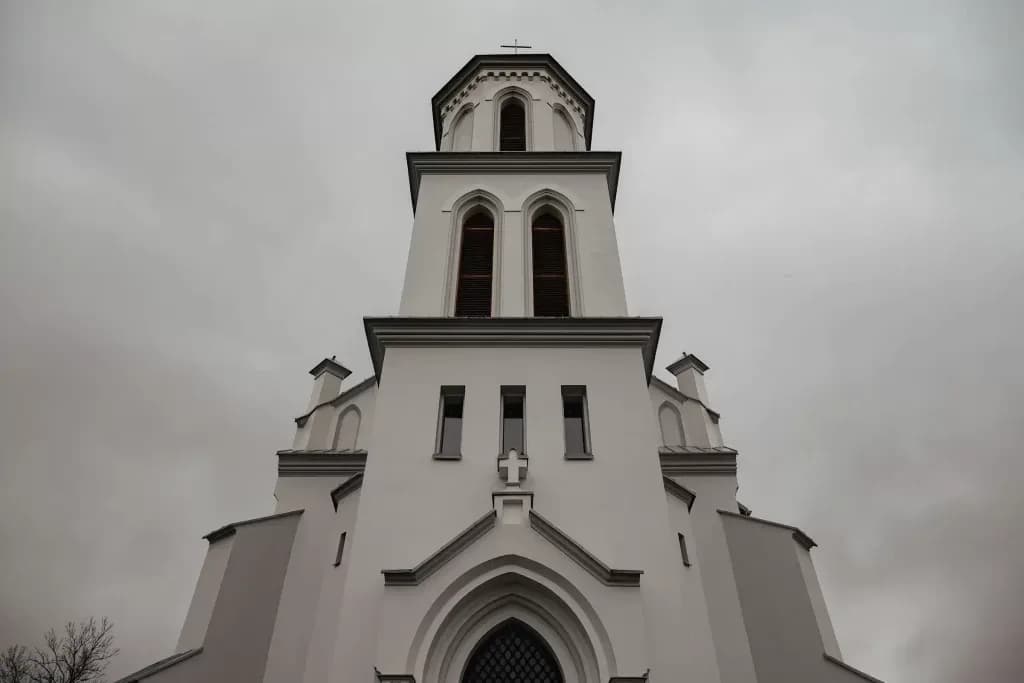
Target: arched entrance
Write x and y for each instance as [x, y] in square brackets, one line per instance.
[512, 653]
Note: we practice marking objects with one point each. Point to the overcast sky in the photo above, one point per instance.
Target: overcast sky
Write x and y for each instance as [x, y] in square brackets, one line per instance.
[199, 201]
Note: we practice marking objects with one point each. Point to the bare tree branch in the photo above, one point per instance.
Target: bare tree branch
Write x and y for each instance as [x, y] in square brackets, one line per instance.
[80, 654]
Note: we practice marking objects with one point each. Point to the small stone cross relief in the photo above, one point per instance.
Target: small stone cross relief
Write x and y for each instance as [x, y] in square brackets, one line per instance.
[513, 468]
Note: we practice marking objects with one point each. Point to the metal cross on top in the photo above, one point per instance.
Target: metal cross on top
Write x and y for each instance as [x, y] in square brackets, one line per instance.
[514, 466]
[516, 46]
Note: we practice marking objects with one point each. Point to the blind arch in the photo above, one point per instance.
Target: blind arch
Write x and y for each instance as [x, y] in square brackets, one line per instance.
[347, 433]
[671, 425]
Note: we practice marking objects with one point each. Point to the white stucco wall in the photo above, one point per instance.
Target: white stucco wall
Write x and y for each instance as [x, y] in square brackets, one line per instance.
[432, 263]
[193, 632]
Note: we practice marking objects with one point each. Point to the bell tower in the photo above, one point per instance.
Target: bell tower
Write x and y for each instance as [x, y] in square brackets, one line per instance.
[513, 211]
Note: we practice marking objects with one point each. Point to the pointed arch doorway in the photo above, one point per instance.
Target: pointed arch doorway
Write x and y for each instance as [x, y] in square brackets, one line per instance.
[512, 653]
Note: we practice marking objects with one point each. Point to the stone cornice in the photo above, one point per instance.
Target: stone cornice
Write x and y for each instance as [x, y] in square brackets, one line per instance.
[419, 163]
[320, 463]
[511, 332]
[697, 460]
[686, 361]
[345, 488]
[505, 65]
[159, 666]
[332, 366]
[576, 552]
[679, 491]
[414, 576]
[856, 672]
[799, 536]
[230, 529]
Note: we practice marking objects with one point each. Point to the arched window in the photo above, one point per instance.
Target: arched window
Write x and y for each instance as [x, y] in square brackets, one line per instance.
[348, 429]
[512, 652]
[671, 425]
[476, 267]
[462, 132]
[565, 135]
[513, 126]
[550, 279]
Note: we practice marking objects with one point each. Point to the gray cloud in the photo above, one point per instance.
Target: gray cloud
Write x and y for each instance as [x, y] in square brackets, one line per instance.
[197, 203]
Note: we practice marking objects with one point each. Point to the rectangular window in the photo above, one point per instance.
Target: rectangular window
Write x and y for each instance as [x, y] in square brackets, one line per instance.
[341, 548]
[449, 436]
[682, 550]
[513, 425]
[574, 416]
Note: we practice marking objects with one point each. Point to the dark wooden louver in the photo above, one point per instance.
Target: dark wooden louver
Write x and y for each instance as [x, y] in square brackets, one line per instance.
[476, 266]
[513, 127]
[550, 279]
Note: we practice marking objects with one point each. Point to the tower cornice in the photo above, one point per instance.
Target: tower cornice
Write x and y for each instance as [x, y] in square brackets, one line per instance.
[641, 332]
[420, 163]
[509, 66]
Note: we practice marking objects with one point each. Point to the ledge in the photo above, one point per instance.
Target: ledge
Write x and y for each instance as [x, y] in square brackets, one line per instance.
[679, 491]
[579, 456]
[641, 332]
[345, 488]
[393, 678]
[697, 460]
[442, 456]
[229, 529]
[416, 575]
[855, 672]
[597, 568]
[799, 536]
[456, 163]
[320, 463]
[157, 667]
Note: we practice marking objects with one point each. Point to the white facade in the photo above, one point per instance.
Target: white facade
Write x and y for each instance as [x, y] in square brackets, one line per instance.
[622, 555]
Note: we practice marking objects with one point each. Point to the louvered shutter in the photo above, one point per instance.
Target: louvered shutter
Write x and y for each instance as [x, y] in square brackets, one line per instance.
[513, 127]
[476, 265]
[550, 282]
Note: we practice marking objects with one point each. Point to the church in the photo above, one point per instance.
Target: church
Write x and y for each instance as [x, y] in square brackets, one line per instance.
[513, 496]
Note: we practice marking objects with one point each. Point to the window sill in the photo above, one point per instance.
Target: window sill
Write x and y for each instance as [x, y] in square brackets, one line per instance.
[446, 456]
[579, 456]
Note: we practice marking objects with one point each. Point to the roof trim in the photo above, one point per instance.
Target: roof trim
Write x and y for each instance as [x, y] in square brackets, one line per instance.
[798, 535]
[692, 460]
[440, 557]
[157, 667]
[346, 487]
[673, 391]
[320, 463]
[530, 60]
[679, 491]
[340, 398]
[856, 672]
[420, 163]
[230, 529]
[576, 552]
[382, 333]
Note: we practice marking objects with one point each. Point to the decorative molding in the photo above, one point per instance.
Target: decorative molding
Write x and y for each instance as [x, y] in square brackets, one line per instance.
[697, 460]
[687, 361]
[230, 529]
[679, 491]
[675, 393]
[512, 332]
[320, 463]
[332, 366]
[393, 678]
[856, 672]
[799, 536]
[159, 666]
[340, 398]
[597, 568]
[415, 576]
[348, 486]
[509, 67]
[454, 163]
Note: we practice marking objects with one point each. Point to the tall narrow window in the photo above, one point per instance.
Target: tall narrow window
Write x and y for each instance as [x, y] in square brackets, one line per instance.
[449, 431]
[574, 417]
[476, 267]
[513, 426]
[683, 551]
[550, 279]
[341, 549]
[565, 137]
[462, 132]
[513, 126]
